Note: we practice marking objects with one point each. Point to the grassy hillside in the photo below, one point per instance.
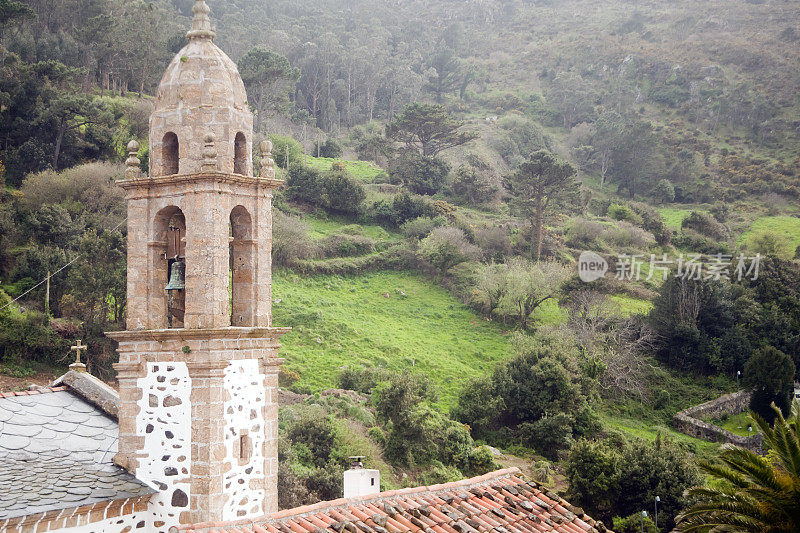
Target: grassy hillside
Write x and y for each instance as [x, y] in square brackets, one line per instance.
[786, 228]
[397, 320]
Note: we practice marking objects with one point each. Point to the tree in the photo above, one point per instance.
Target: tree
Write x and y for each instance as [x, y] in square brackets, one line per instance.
[751, 492]
[492, 287]
[269, 78]
[539, 398]
[573, 97]
[471, 187]
[445, 248]
[422, 174]
[664, 192]
[428, 128]
[634, 158]
[529, 285]
[690, 317]
[769, 374]
[607, 132]
[71, 112]
[443, 73]
[613, 479]
[11, 11]
[97, 293]
[541, 181]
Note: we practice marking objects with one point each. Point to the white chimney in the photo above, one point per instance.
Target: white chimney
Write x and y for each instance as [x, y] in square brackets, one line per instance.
[360, 481]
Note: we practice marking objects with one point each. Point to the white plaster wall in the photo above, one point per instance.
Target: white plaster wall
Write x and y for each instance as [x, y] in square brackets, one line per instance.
[244, 411]
[165, 420]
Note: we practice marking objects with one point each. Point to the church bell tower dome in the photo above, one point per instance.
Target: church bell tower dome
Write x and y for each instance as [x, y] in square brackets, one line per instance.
[201, 94]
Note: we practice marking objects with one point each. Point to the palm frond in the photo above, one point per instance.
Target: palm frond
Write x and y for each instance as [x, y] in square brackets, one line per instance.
[757, 494]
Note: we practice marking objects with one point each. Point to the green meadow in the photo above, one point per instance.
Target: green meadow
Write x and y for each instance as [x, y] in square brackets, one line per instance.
[363, 170]
[396, 320]
[786, 227]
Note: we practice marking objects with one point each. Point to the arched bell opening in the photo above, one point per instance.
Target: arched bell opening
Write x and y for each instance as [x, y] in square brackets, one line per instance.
[170, 159]
[242, 269]
[169, 268]
[240, 154]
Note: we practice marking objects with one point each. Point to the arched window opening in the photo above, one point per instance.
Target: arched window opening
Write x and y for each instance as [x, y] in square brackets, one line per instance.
[170, 266]
[169, 154]
[242, 270]
[240, 154]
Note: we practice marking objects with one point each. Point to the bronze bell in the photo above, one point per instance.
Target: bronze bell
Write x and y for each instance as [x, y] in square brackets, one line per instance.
[177, 276]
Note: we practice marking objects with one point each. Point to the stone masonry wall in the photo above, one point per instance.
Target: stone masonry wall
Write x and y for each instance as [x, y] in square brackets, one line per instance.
[689, 421]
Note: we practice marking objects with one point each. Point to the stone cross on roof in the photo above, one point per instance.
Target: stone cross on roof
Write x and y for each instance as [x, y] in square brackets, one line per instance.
[77, 365]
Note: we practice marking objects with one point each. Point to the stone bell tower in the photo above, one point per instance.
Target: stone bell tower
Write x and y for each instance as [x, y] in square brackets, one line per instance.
[198, 362]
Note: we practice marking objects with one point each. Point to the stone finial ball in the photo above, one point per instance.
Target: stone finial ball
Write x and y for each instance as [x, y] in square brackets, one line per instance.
[209, 138]
[133, 146]
[266, 147]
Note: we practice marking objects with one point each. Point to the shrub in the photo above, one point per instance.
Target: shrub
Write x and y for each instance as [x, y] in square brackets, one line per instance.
[292, 491]
[548, 435]
[541, 381]
[471, 187]
[664, 192]
[305, 184]
[445, 248]
[720, 211]
[378, 435]
[419, 228]
[704, 224]
[627, 235]
[447, 210]
[333, 190]
[362, 379]
[770, 375]
[767, 242]
[611, 479]
[330, 148]
[290, 240]
[421, 174]
[635, 523]
[287, 378]
[440, 473]
[653, 222]
[286, 151]
[494, 242]
[28, 338]
[401, 209]
[343, 193]
[585, 234]
[339, 245]
[481, 461]
[693, 241]
[623, 212]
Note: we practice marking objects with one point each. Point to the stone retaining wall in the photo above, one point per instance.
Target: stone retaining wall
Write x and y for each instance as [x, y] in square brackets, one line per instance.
[689, 421]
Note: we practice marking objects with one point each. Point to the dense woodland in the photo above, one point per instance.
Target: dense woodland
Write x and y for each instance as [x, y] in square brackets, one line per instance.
[475, 147]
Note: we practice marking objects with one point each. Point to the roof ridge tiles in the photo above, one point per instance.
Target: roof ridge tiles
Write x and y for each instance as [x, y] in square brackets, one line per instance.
[38, 390]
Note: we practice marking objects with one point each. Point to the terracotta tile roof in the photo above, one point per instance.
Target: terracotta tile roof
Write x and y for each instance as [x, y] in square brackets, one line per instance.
[498, 502]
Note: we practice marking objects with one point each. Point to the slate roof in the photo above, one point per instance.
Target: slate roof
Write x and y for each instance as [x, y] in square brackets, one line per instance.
[55, 453]
[498, 502]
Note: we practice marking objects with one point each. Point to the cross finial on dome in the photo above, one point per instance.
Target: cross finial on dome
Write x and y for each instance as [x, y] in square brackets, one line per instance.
[201, 23]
